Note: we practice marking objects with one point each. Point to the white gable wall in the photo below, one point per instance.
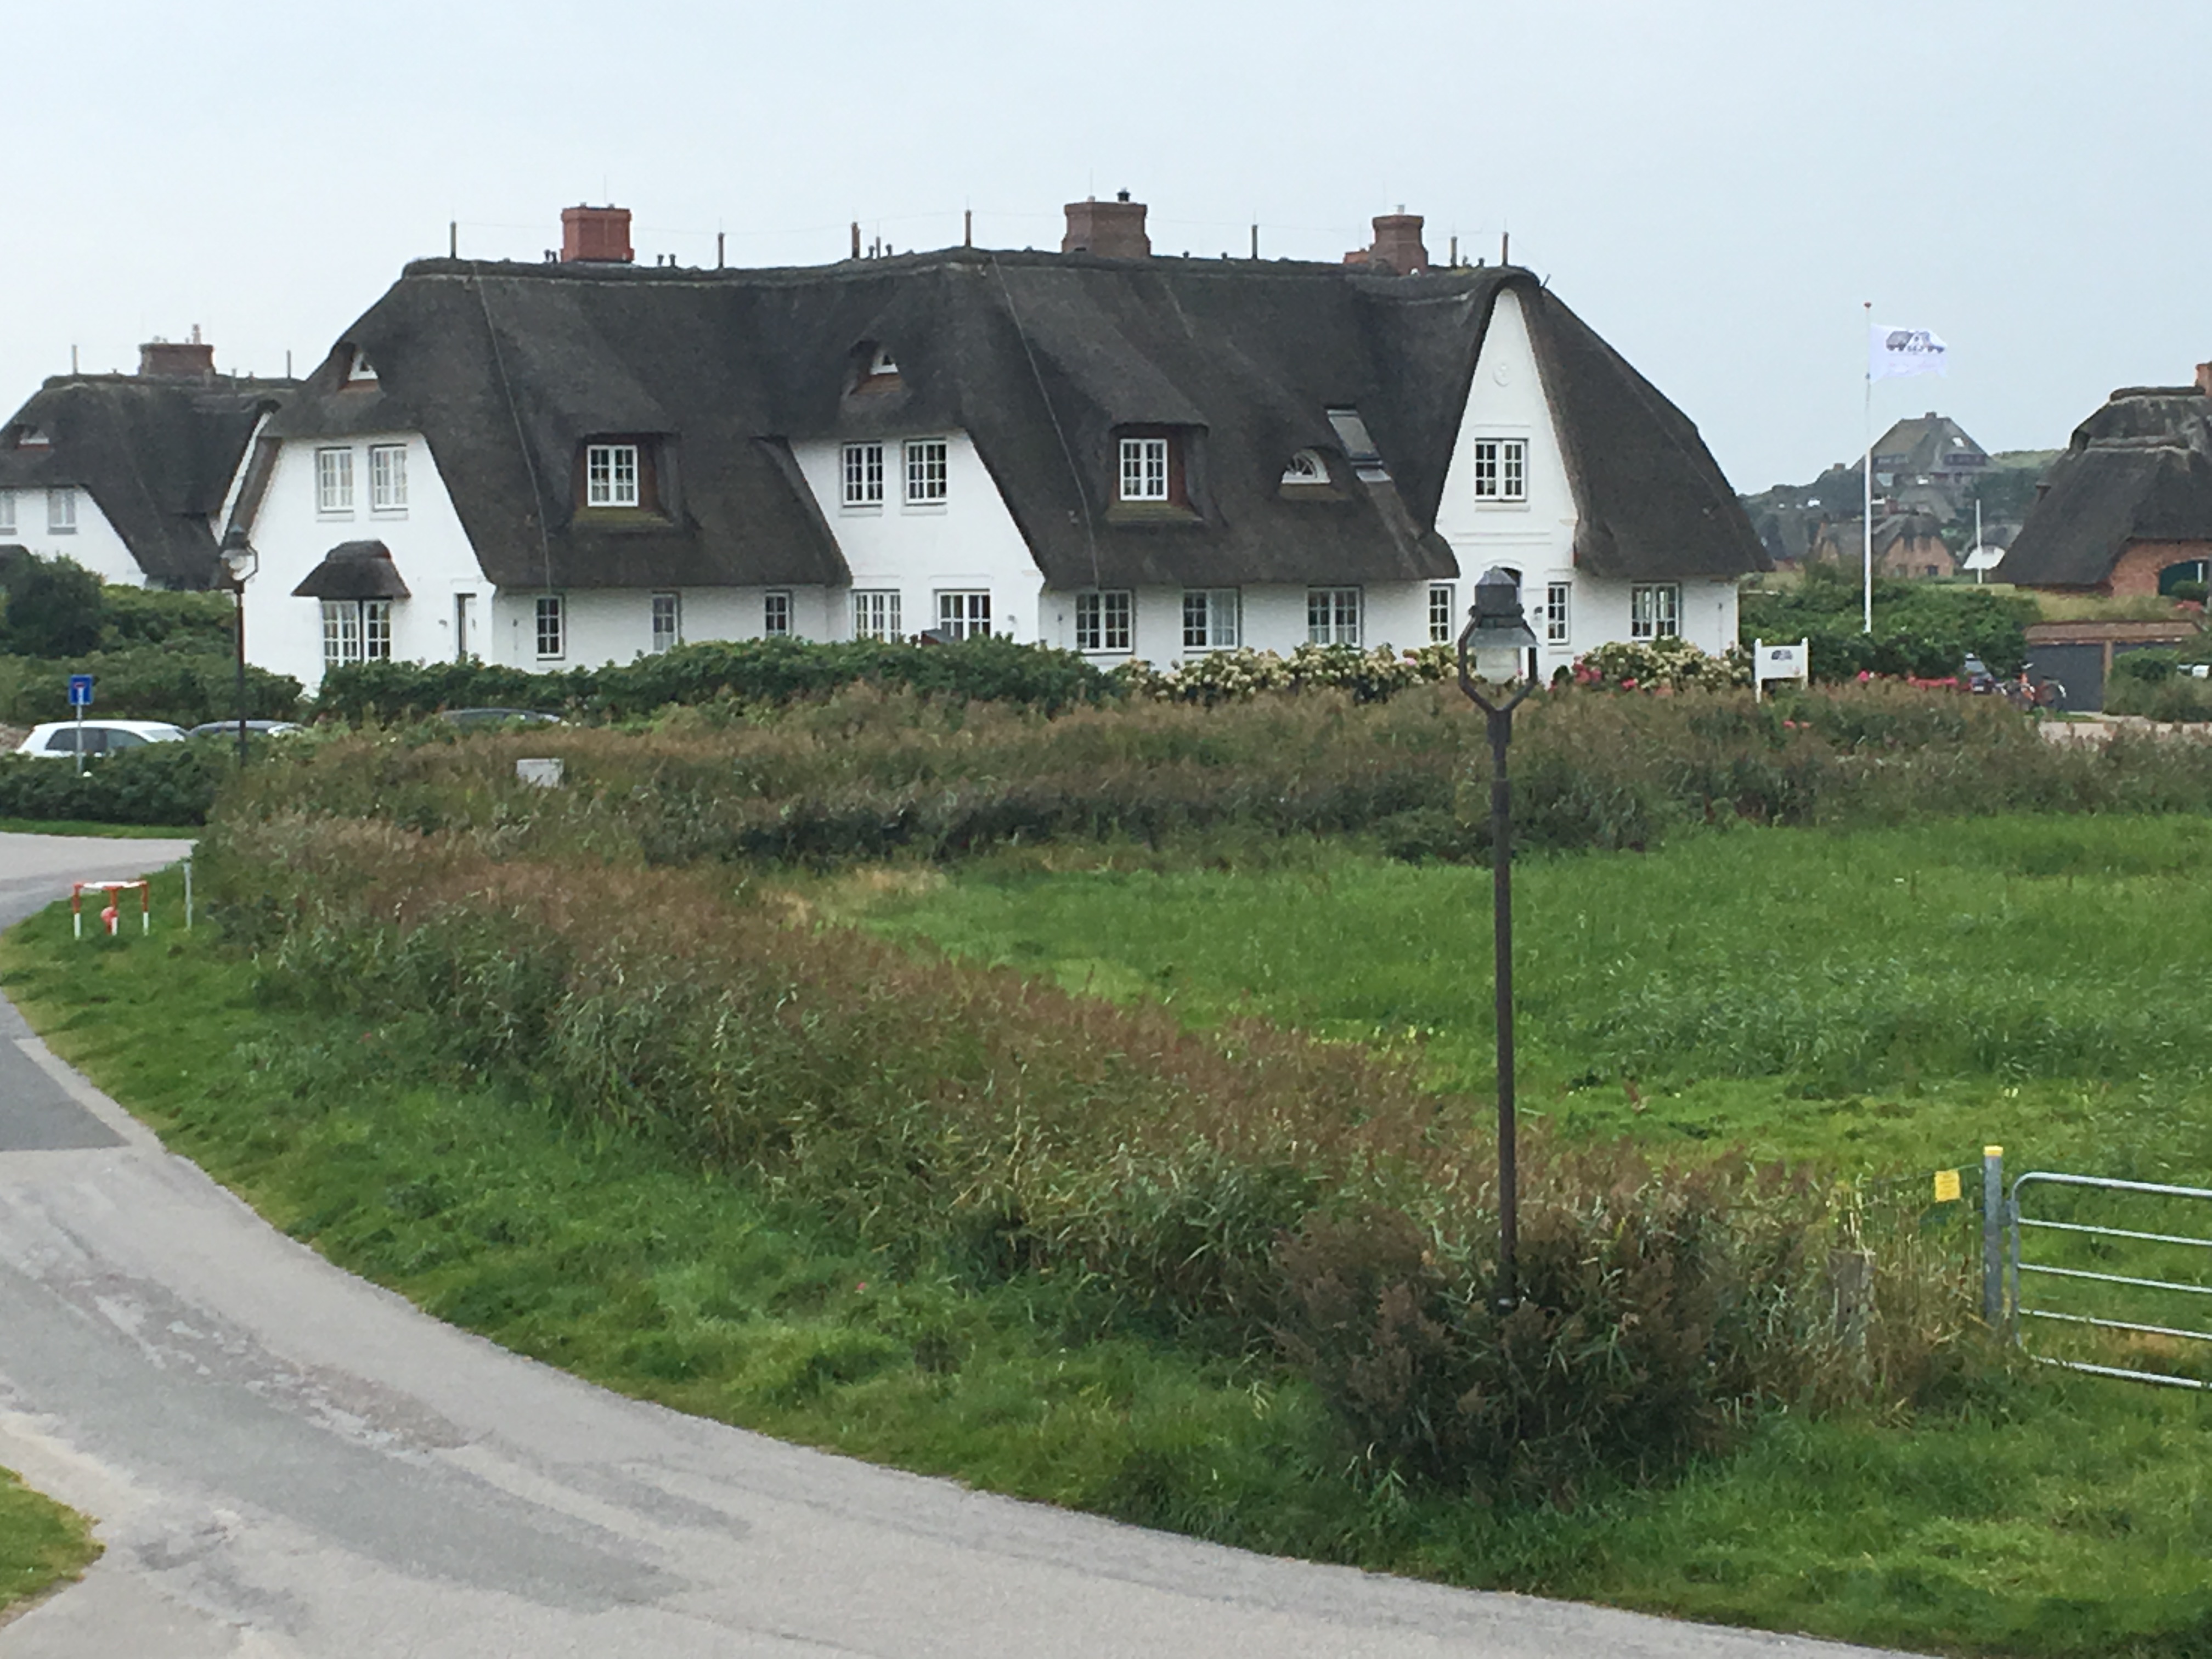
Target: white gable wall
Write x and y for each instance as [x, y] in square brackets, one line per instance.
[1536, 537]
[93, 544]
[291, 534]
[968, 542]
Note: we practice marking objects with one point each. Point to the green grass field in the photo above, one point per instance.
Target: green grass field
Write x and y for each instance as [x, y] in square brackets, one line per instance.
[1889, 1000]
[41, 1544]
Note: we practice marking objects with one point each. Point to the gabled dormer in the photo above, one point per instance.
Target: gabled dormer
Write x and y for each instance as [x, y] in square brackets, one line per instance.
[874, 371]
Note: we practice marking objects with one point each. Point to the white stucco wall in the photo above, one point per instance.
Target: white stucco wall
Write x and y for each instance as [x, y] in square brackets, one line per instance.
[93, 544]
[969, 542]
[429, 546]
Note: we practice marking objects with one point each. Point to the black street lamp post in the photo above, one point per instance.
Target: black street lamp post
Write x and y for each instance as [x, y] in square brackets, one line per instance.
[1496, 624]
[240, 561]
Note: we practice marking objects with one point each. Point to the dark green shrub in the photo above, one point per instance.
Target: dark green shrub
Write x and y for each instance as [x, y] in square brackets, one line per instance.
[181, 682]
[159, 783]
[48, 607]
[770, 670]
[2150, 666]
[1921, 628]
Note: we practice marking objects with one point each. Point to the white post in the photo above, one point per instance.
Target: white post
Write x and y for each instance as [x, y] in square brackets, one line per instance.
[1867, 479]
[1980, 574]
[1758, 655]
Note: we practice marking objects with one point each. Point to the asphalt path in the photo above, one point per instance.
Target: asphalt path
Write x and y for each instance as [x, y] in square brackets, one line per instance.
[288, 1462]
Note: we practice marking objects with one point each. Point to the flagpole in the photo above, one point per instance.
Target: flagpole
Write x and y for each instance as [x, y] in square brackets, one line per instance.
[1866, 478]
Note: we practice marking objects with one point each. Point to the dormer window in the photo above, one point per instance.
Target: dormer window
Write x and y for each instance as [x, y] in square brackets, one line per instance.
[32, 437]
[1307, 467]
[1148, 469]
[874, 368]
[358, 370]
[611, 475]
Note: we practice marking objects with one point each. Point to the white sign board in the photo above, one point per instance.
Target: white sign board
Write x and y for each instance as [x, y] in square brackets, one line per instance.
[1780, 662]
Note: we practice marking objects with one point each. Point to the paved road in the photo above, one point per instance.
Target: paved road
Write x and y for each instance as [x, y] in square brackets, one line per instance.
[286, 1462]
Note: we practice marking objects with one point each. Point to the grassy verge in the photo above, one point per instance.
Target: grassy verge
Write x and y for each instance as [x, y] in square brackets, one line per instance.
[113, 832]
[41, 1544]
[2025, 1517]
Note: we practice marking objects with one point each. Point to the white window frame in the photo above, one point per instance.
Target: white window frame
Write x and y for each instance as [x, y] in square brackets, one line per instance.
[376, 630]
[387, 479]
[875, 614]
[775, 614]
[1106, 621]
[1559, 613]
[341, 632]
[551, 618]
[61, 510]
[1211, 618]
[7, 512]
[1655, 610]
[861, 471]
[1144, 469]
[664, 620]
[964, 613]
[334, 482]
[928, 462]
[611, 476]
[1333, 615]
[1444, 612]
[1501, 470]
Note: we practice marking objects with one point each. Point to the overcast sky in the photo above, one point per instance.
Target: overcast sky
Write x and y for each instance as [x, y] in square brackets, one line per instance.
[1716, 185]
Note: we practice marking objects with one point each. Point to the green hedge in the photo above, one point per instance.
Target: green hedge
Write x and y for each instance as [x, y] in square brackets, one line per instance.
[181, 681]
[1920, 629]
[774, 671]
[161, 783]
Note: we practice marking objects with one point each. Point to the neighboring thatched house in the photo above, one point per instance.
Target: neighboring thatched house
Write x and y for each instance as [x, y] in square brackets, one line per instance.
[2127, 509]
[130, 475]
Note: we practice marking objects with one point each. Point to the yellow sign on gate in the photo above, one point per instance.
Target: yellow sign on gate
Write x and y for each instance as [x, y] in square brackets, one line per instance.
[1947, 1185]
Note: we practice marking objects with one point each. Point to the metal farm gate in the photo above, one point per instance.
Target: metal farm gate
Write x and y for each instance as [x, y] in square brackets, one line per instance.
[2142, 1286]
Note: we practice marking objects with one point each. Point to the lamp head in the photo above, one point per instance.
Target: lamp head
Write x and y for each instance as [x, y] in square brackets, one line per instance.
[239, 561]
[1496, 621]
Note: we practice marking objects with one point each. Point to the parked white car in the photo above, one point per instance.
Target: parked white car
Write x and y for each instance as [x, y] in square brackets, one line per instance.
[56, 740]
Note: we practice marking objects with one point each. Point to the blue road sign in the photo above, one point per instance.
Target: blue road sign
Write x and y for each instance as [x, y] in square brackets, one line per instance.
[80, 691]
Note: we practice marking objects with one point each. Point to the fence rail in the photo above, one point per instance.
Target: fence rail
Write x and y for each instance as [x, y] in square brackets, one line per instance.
[2009, 1214]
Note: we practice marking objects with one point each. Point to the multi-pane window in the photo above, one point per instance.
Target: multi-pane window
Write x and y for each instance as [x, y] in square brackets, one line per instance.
[356, 630]
[61, 511]
[1655, 610]
[1144, 469]
[610, 478]
[964, 616]
[776, 613]
[875, 614]
[552, 626]
[341, 632]
[7, 512]
[1333, 616]
[387, 477]
[1501, 469]
[1556, 620]
[667, 622]
[1441, 607]
[925, 471]
[1209, 618]
[864, 475]
[334, 481]
[1103, 620]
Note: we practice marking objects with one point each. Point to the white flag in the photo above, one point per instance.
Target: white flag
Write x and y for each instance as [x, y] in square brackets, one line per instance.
[1892, 350]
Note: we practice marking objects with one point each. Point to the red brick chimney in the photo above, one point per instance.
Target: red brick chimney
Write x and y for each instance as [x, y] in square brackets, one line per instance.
[2204, 378]
[177, 360]
[1114, 230]
[1398, 250]
[600, 233]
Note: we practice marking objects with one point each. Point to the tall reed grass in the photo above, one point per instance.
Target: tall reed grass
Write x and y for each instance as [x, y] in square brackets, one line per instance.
[1249, 1191]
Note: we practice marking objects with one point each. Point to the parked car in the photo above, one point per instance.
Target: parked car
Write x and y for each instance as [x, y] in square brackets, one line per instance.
[254, 728]
[470, 719]
[57, 739]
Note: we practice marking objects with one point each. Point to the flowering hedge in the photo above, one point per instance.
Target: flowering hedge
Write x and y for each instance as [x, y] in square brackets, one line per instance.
[1676, 664]
[1236, 675]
